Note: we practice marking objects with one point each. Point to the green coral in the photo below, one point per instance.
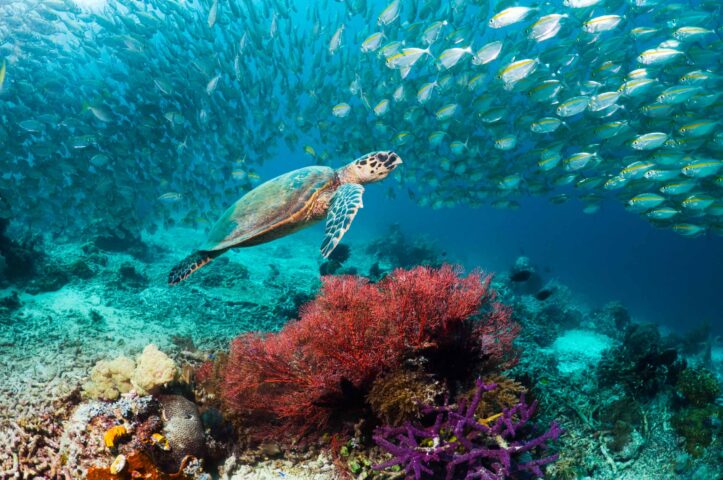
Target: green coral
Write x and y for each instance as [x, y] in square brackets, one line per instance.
[697, 426]
[698, 386]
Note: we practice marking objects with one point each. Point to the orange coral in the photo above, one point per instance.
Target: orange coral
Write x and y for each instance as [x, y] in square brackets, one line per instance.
[113, 434]
[138, 466]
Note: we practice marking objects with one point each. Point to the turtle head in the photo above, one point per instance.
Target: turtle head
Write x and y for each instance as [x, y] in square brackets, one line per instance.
[371, 167]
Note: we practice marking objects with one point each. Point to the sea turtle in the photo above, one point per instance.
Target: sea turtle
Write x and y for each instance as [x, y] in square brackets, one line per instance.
[288, 203]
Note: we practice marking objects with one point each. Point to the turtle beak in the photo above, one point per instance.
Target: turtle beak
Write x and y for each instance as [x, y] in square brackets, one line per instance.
[392, 160]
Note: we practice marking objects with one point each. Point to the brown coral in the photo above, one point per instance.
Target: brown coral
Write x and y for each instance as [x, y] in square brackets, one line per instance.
[506, 395]
[399, 395]
[182, 429]
[207, 377]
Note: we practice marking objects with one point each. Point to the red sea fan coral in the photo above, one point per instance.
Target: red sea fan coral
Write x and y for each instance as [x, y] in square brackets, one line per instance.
[351, 333]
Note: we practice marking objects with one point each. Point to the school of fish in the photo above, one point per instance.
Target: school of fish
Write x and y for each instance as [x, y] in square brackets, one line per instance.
[134, 114]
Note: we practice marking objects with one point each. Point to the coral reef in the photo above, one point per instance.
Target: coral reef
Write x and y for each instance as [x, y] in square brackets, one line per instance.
[642, 365]
[110, 378]
[398, 251]
[698, 426]
[338, 256]
[401, 394]
[183, 431]
[152, 370]
[326, 362]
[638, 415]
[613, 320]
[29, 440]
[458, 444]
[505, 395]
[138, 465]
[698, 386]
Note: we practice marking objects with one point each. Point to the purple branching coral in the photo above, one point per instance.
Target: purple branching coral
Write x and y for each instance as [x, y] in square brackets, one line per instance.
[460, 445]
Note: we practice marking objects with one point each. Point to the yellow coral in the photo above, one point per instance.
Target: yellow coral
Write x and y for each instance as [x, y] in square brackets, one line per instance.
[113, 434]
[154, 369]
[110, 378]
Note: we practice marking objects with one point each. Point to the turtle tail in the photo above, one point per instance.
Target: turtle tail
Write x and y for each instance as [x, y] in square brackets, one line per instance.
[190, 264]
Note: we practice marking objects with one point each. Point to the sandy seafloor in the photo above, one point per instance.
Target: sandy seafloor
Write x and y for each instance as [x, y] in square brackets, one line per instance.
[50, 343]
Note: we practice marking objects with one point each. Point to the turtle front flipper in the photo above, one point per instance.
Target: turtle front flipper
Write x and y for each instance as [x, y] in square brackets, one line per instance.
[190, 264]
[345, 203]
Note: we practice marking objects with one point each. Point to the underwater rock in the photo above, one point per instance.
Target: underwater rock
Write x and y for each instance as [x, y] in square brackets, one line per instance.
[130, 278]
[613, 320]
[49, 278]
[630, 449]
[224, 274]
[396, 249]
[81, 269]
[642, 365]
[526, 280]
[183, 428]
[121, 240]
[522, 270]
[18, 258]
[11, 302]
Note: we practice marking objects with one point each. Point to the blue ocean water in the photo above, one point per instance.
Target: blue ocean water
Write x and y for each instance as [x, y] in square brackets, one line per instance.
[584, 135]
[609, 255]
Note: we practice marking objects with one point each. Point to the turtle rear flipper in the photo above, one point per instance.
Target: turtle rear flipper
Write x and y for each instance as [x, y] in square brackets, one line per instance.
[190, 264]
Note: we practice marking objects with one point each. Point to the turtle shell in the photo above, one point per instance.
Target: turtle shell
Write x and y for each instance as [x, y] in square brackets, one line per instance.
[275, 208]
